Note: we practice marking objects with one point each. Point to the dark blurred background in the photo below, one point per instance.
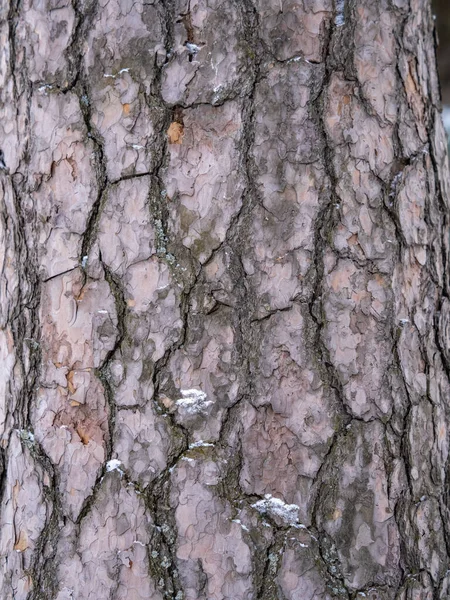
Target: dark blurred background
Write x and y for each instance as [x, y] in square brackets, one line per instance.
[441, 9]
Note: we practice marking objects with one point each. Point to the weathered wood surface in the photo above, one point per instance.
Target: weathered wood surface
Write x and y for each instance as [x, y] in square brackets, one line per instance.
[225, 324]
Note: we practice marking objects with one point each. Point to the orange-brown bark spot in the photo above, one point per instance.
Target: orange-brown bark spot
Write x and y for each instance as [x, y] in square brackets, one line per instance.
[79, 297]
[16, 490]
[381, 281]
[73, 166]
[175, 133]
[410, 84]
[22, 542]
[82, 435]
[344, 102]
[126, 109]
[72, 389]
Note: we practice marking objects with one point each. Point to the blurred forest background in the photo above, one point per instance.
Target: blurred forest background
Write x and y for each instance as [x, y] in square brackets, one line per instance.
[441, 9]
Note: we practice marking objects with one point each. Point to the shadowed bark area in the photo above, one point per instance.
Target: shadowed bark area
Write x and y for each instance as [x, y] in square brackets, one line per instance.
[224, 316]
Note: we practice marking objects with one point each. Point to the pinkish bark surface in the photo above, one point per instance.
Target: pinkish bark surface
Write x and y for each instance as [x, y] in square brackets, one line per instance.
[224, 310]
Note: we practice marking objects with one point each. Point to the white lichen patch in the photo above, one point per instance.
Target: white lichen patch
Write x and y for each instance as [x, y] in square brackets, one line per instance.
[44, 88]
[276, 508]
[192, 48]
[111, 76]
[193, 401]
[200, 444]
[238, 521]
[114, 465]
[25, 435]
[296, 59]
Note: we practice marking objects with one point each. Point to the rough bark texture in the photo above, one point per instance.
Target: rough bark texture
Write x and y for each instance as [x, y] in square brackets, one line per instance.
[225, 322]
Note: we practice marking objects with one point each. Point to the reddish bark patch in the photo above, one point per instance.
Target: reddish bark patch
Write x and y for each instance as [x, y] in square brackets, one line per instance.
[175, 133]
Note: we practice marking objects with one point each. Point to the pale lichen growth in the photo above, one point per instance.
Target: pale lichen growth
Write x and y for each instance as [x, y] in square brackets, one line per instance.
[26, 436]
[200, 444]
[193, 49]
[275, 507]
[114, 465]
[238, 521]
[193, 401]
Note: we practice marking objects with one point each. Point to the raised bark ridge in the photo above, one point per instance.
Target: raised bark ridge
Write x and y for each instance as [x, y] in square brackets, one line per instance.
[224, 301]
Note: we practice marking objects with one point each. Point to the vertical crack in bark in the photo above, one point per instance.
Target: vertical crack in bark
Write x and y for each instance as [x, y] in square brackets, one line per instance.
[338, 57]
[325, 223]
[162, 550]
[46, 559]
[101, 176]
[104, 369]
[13, 15]
[332, 566]
[267, 588]
[158, 494]
[85, 12]
[42, 572]
[25, 326]
[235, 239]
[25, 317]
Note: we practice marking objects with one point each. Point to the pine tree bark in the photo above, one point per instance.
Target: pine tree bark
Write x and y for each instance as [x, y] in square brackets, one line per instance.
[225, 321]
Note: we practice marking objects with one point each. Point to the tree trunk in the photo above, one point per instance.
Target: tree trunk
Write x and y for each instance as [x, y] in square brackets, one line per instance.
[225, 322]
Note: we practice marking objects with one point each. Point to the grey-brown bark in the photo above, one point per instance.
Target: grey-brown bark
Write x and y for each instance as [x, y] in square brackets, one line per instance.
[224, 301]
